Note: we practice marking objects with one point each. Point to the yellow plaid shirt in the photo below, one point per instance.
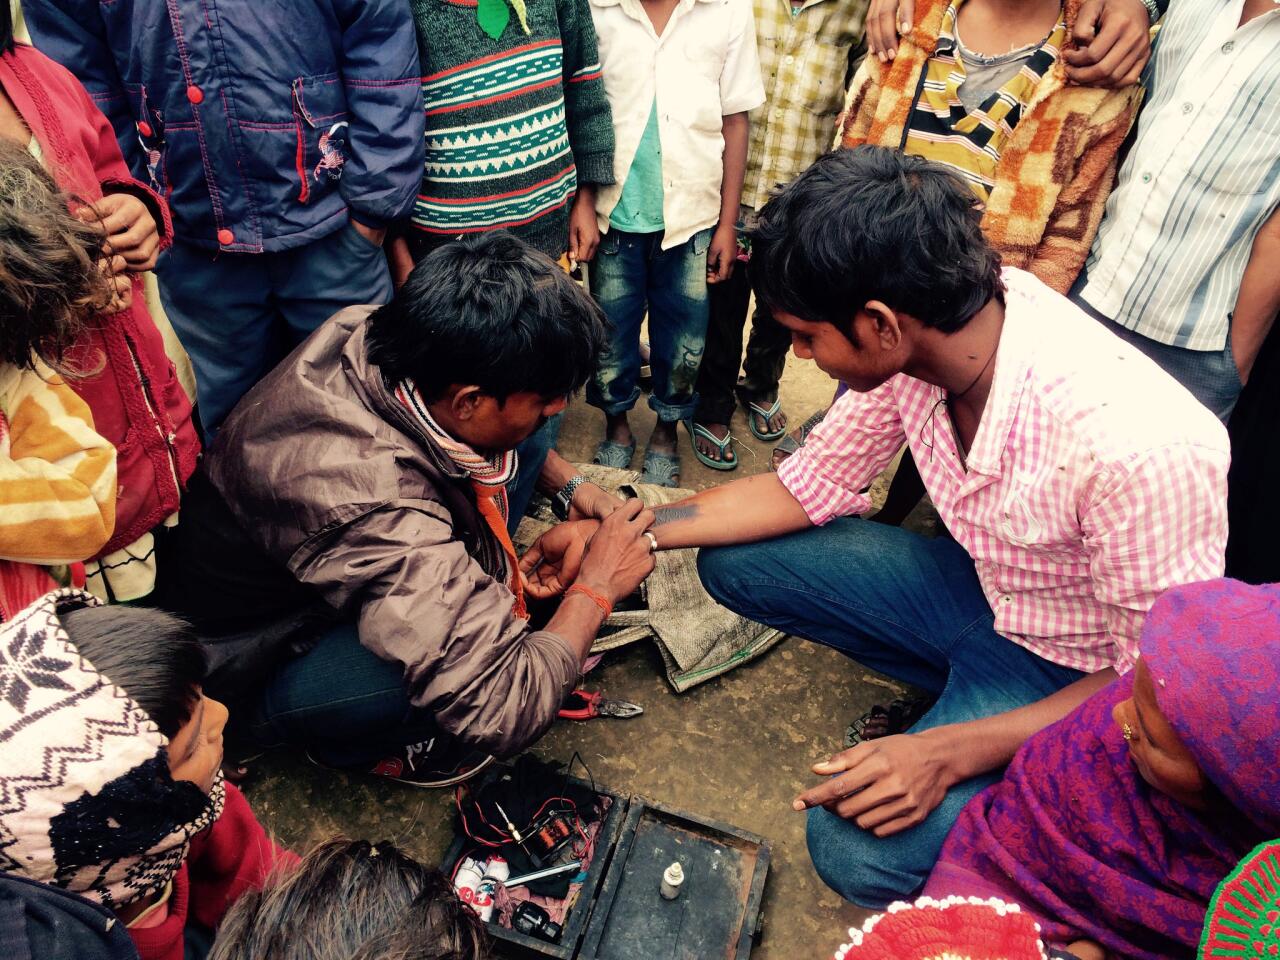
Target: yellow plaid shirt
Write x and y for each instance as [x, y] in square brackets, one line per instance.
[805, 64]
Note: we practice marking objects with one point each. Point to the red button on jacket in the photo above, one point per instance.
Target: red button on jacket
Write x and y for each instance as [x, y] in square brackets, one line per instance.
[226, 237]
[144, 128]
[195, 94]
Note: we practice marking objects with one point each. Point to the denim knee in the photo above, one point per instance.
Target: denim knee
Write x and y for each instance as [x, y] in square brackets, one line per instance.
[720, 571]
[867, 870]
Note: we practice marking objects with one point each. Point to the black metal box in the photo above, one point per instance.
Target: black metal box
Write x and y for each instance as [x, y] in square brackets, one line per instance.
[620, 914]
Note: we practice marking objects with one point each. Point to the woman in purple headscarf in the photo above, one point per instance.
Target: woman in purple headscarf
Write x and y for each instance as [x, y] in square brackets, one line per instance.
[1116, 824]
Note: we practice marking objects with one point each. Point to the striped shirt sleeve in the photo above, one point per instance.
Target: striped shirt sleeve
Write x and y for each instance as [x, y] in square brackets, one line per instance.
[853, 444]
[57, 475]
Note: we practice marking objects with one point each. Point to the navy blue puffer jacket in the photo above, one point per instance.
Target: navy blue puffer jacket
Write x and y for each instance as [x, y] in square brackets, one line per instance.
[266, 123]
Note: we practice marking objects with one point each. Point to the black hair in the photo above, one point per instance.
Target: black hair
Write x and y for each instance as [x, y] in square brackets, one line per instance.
[492, 312]
[6, 26]
[871, 223]
[151, 655]
[352, 900]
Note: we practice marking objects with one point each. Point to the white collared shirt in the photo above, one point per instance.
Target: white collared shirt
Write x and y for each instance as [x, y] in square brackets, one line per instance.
[703, 68]
[1201, 178]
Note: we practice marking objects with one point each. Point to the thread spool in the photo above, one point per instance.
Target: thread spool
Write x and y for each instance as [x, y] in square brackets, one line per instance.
[672, 880]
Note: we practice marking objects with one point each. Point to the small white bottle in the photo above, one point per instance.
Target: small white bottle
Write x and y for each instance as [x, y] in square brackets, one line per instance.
[672, 879]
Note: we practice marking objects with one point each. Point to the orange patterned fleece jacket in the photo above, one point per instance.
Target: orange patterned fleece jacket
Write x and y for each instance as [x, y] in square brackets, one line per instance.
[1055, 172]
[57, 475]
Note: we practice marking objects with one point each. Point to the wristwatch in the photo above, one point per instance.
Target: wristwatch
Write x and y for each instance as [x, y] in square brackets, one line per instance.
[561, 502]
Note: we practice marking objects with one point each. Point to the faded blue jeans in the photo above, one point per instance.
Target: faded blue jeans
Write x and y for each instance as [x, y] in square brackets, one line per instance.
[239, 314]
[630, 274]
[911, 608]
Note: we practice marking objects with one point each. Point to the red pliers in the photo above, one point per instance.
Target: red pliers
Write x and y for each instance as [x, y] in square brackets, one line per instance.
[584, 705]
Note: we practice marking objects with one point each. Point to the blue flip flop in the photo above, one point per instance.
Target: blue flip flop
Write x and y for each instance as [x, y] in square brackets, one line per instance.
[728, 459]
[765, 414]
[617, 455]
[660, 469]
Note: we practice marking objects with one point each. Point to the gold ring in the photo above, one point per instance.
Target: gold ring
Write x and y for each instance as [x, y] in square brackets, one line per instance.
[1126, 731]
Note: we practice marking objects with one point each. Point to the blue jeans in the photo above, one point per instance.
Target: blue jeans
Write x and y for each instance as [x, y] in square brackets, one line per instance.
[345, 705]
[908, 607]
[631, 273]
[1211, 375]
[341, 703]
[239, 314]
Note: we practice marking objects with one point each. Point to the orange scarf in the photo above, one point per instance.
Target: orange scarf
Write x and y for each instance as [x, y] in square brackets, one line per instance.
[491, 501]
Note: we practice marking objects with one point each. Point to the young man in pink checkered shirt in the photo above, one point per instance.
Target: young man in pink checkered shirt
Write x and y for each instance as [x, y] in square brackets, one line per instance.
[1076, 478]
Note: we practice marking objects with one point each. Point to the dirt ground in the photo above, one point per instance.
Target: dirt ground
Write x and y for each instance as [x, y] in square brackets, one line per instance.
[736, 749]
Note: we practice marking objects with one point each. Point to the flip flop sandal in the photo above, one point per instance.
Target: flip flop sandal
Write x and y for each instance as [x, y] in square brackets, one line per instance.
[660, 469]
[898, 717]
[765, 414]
[728, 459]
[794, 440]
[617, 455]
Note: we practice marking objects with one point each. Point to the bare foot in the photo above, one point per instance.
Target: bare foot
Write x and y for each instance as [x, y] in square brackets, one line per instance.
[618, 429]
[664, 440]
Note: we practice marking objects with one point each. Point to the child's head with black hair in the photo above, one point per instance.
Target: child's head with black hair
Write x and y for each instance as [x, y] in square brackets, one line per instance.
[494, 336]
[157, 660]
[353, 900]
[866, 236]
[119, 689]
[51, 279]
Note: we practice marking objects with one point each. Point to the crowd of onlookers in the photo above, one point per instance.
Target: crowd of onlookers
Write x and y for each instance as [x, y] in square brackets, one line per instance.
[1033, 247]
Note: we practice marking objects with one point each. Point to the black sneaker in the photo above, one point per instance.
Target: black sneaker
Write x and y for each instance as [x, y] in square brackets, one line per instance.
[439, 762]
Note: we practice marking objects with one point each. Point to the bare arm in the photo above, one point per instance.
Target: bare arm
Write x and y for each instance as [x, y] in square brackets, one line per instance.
[1258, 301]
[724, 242]
[744, 511]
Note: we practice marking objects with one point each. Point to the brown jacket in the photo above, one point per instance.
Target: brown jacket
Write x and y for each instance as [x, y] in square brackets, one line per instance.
[330, 477]
[1054, 173]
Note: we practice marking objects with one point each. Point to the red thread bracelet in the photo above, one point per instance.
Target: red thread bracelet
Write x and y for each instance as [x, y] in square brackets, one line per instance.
[602, 602]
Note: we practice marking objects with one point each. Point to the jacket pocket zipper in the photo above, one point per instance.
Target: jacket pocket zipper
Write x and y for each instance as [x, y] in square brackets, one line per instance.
[300, 154]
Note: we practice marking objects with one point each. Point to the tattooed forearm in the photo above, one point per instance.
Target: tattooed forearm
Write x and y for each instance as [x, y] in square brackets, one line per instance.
[673, 512]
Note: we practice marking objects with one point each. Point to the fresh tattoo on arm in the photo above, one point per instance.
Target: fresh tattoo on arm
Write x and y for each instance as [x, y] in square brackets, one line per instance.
[673, 512]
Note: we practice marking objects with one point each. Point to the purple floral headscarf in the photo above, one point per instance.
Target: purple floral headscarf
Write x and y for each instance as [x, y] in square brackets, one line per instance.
[1076, 836]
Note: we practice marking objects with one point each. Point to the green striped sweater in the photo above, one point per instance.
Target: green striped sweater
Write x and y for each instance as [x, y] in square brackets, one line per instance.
[513, 124]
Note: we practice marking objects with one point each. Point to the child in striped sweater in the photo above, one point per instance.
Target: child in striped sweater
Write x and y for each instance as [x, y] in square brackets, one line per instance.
[518, 127]
[57, 475]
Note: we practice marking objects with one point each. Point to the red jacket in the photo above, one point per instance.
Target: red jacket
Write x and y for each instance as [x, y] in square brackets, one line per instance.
[136, 399]
[232, 856]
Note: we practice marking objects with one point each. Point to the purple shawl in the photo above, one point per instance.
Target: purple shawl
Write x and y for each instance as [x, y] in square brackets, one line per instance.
[1077, 837]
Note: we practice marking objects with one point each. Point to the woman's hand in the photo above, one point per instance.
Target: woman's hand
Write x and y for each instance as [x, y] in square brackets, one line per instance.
[551, 565]
[128, 229]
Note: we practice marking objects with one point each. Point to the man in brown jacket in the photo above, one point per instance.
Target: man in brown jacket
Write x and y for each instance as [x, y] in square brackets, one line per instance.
[369, 472]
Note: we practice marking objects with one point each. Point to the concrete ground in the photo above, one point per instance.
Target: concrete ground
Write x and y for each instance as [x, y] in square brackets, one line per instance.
[736, 749]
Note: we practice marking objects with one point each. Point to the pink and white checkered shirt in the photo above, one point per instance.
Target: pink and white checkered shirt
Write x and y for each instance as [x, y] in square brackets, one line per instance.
[1095, 481]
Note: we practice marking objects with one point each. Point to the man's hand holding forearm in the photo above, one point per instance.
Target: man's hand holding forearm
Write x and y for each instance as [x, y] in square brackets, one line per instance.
[612, 565]
[892, 784]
